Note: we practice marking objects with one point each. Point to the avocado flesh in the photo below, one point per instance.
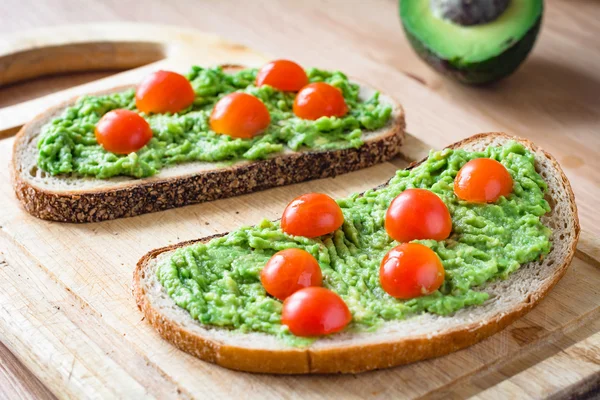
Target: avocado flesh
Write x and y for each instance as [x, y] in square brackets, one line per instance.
[473, 54]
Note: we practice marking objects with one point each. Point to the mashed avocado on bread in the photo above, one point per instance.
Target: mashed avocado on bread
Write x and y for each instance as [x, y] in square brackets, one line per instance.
[218, 282]
[67, 145]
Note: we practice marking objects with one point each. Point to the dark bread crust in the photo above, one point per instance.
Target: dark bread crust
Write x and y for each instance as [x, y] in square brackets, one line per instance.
[348, 359]
[95, 206]
[142, 197]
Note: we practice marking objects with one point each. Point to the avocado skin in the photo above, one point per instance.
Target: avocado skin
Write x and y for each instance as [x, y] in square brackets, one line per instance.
[484, 72]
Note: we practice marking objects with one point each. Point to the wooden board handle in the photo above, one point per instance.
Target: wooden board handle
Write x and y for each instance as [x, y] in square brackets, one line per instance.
[106, 46]
[78, 57]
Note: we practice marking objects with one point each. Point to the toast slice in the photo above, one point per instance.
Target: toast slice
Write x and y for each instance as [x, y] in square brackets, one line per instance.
[69, 198]
[395, 342]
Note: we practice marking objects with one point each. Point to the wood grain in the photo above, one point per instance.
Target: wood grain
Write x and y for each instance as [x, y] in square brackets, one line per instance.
[24, 91]
[67, 313]
[17, 382]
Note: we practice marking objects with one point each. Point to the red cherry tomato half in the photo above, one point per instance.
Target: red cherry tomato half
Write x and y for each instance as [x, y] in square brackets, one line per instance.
[482, 180]
[318, 100]
[164, 91]
[283, 75]
[315, 311]
[312, 215]
[411, 270]
[289, 271]
[240, 115]
[122, 131]
[418, 214]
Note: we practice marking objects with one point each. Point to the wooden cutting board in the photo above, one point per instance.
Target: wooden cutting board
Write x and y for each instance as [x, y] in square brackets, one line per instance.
[66, 309]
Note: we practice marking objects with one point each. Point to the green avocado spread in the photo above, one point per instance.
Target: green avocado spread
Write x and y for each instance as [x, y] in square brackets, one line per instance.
[67, 145]
[218, 282]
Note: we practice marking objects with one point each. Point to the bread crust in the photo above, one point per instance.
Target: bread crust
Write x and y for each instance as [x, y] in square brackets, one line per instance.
[348, 359]
[137, 198]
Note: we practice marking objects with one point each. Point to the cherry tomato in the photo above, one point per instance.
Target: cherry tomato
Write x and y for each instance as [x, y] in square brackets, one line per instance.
[312, 215]
[318, 100]
[315, 311]
[418, 214]
[240, 115]
[483, 180]
[164, 91]
[289, 271]
[122, 131]
[283, 75]
[411, 270]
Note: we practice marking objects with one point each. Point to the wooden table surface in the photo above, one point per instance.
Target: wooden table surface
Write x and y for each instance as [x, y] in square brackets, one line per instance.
[554, 99]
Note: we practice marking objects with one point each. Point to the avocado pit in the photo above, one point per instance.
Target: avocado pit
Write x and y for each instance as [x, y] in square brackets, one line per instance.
[468, 12]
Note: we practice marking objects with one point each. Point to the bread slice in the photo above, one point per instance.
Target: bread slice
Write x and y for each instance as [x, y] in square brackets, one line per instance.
[396, 342]
[87, 199]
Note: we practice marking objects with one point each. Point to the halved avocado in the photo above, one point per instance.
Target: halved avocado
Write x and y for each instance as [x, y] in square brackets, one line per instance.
[473, 41]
